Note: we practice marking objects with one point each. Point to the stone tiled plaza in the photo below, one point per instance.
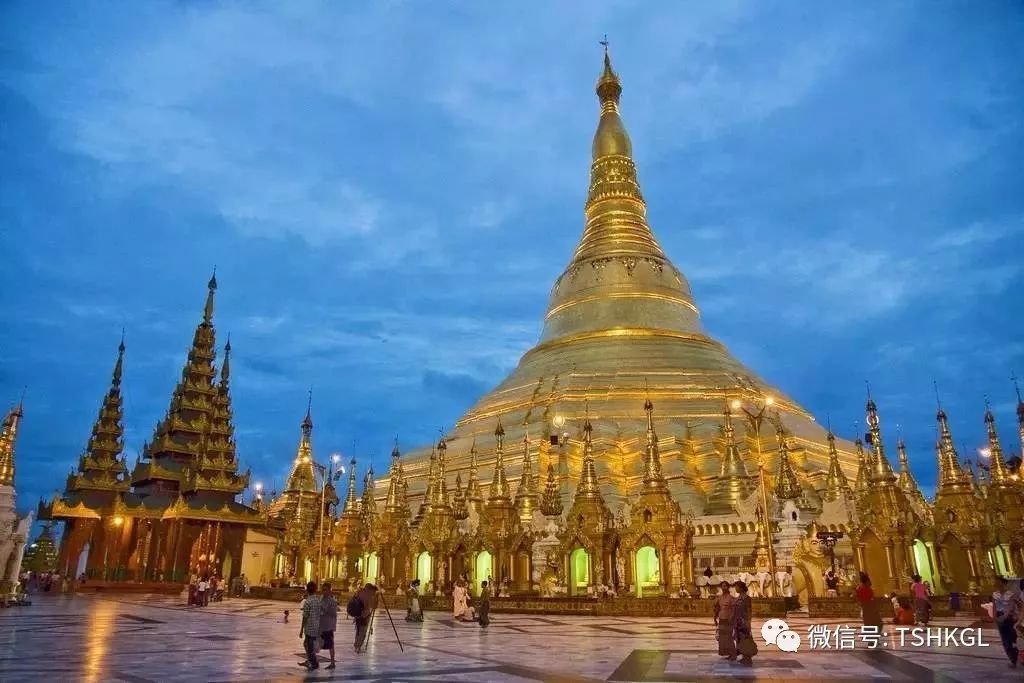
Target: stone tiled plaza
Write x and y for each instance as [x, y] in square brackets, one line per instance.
[150, 638]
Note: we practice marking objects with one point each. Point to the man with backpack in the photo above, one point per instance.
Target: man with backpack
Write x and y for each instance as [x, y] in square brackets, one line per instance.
[360, 607]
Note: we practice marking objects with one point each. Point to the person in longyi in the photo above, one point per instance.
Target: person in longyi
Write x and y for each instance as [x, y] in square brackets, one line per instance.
[724, 623]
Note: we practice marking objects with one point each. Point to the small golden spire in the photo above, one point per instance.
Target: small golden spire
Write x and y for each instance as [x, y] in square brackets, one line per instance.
[459, 509]
[997, 470]
[119, 365]
[440, 485]
[881, 470]
[394, 503]
[211, 288]
[307, 422]
[225, 368]
[302, 477]
[733, 483]
[906, 480]
[653, 479]
[473, 495]
[787, 487]
[588, 486]
[351, 499]
[951, 475]
[369, 503]
[499, 492]
[863, 482]
[526, 493]
[551, 503]
[836, 484]
[8, 436]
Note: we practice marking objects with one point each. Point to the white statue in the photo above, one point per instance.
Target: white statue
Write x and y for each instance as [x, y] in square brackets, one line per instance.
[785, 581]
[677, 568]
[620, 568]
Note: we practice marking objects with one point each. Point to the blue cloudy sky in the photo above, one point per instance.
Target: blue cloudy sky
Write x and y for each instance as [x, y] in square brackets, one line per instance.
[389, 189]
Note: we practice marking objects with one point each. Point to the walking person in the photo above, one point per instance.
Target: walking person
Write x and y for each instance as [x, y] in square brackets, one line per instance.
[414, 613]
[485, 605]
[724, 623]
[871, 615]
[460, 601]
[309, 630]
[361, 608]
[1006, 605]
[922, 606]
[742, 611]
[328, 621]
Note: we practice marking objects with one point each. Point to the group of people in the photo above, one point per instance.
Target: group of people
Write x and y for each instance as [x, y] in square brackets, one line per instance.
[462, 604]
[320, 619]
[732, 621]
[204, 588]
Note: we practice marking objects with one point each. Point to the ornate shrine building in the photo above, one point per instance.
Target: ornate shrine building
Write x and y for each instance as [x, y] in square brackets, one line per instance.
[628, 450]
[176, 512]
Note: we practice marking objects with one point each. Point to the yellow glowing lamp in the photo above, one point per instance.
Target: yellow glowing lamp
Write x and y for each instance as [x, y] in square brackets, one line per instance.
[118, 520]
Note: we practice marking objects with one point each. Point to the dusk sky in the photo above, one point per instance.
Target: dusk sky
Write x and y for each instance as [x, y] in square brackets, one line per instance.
[388, 190]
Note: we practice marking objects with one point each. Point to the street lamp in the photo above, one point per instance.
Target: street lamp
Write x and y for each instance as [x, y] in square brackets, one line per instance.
[328, 475]
[756, 417]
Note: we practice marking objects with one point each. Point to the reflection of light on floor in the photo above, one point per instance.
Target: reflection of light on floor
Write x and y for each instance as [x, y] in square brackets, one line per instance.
[100, 630]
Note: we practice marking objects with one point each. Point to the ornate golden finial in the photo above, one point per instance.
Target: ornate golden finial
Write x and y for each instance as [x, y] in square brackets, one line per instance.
[307, 422]
[836, 484]
[551, 502]
[526, 494]
[653, 479]
[609, 87]
[351, 500]
[881, 470]
[8, 436]
[787, 487]
[997, 470]
[211, 288]
[499, 492]
[119, 365]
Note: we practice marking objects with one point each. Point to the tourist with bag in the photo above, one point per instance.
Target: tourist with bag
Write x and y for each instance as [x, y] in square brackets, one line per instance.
[360, 607]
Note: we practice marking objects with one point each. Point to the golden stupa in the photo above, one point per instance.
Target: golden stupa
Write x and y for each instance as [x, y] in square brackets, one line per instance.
[622, 327]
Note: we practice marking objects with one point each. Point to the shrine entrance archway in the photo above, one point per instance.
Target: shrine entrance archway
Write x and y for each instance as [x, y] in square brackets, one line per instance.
[483, 570]
[646, 571]
[579, 572]
[423, 568]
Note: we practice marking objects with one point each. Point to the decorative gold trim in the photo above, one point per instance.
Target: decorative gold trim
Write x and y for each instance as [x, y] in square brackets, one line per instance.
[621, 295]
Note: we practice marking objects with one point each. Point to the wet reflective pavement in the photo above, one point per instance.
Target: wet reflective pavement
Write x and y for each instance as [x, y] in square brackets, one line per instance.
[155, 638]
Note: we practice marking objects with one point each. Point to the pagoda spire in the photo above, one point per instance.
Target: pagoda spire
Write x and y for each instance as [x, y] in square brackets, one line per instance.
[473, 496]
[951, 474]
[836, 484]
[351, 499]
[588, 485]
[302, 477]
[459, 509]
[906, 480]
[440, 486]
[369, 503]
[393, 503]
[526, 493]
[881, 470]
[616, 292]
[551, 502]
[653, 480]
[733, 483]
[997, 471]
[211, 287]
[1020, 414]
[100, 468]
[499, 492]
[8, 436]
[863, 482]
[787, 486]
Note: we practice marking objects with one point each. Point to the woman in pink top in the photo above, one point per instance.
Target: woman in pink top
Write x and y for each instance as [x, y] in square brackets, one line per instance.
[922, 606]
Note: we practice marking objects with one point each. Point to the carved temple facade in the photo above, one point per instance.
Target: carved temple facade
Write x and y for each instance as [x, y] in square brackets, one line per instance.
[628, 449]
